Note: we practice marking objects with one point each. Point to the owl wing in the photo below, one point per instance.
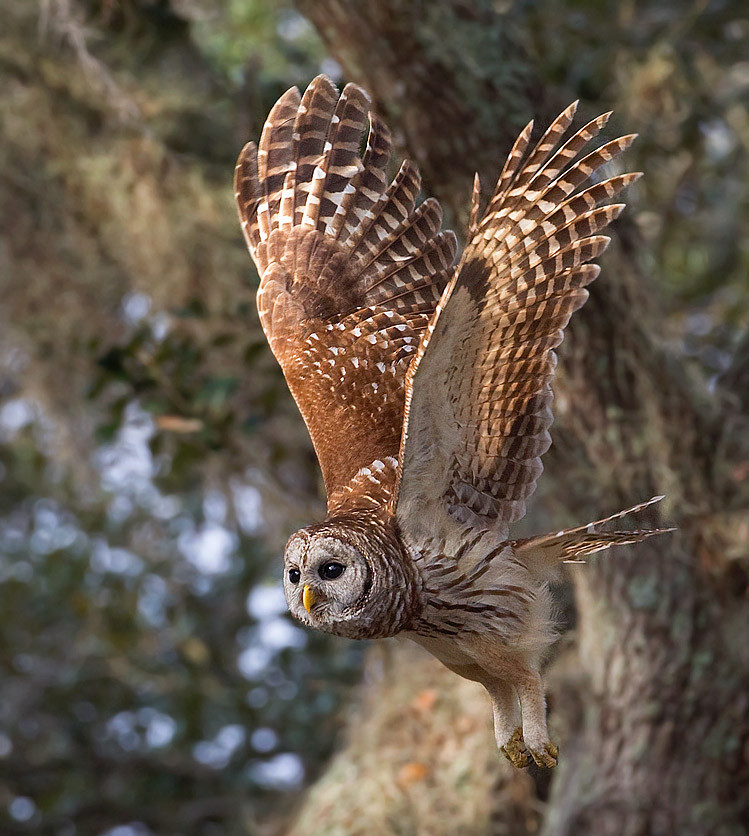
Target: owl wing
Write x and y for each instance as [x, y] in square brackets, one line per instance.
[478, 407]
[351, 270]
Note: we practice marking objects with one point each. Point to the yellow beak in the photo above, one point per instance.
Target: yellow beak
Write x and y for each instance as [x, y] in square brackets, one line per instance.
[308, 597]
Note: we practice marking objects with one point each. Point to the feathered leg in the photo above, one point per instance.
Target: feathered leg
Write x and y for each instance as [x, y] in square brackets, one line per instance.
[507, 730]
[497, 674]
[519, 727]
[533, 706]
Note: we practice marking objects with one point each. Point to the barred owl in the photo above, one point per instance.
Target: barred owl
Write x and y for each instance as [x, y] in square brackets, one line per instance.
[425, 385]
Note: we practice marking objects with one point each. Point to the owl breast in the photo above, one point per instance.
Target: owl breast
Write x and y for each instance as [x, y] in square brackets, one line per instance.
[474, 584]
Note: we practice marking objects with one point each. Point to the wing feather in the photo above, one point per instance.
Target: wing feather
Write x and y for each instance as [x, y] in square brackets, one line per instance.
[274, 158]
[479, 396]
[350, 270]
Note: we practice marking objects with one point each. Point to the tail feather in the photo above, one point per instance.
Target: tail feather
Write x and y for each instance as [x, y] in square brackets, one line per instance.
[571, 544]
[585, 544]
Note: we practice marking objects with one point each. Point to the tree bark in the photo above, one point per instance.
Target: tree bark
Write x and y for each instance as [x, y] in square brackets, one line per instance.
[662, 743]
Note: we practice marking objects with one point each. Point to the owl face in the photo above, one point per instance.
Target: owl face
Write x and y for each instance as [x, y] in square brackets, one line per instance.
[327, 581]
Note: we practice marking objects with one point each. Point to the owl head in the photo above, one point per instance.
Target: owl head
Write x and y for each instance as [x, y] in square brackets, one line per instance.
[340, 582]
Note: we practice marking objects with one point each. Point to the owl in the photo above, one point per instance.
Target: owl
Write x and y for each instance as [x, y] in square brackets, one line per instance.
[426, 384]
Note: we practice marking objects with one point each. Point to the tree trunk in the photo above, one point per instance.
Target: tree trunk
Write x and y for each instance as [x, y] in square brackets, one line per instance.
[661, 745]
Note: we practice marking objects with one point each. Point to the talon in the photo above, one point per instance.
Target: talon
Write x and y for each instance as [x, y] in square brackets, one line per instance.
[547, 758]
[515, 750]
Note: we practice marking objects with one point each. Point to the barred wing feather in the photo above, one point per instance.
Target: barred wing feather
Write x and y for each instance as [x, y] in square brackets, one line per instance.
[478, 407]
[351, 270]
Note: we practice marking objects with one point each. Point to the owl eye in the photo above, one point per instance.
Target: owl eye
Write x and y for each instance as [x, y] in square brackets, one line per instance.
[294, 576]
[331, 571]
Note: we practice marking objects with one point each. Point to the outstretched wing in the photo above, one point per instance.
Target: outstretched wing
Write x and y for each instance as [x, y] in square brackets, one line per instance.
[351, 270]
[479, 391]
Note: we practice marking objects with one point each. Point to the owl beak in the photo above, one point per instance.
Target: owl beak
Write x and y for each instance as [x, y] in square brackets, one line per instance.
[308, 597]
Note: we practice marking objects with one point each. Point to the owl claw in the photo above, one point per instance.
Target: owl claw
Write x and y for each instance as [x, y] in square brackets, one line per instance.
[547, 757]
[515, 750]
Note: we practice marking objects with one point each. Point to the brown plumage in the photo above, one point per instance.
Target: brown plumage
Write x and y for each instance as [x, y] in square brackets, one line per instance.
[426, 387]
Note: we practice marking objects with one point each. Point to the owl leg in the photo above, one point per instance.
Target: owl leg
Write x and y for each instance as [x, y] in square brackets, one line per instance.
[533, 706]
[507, 730]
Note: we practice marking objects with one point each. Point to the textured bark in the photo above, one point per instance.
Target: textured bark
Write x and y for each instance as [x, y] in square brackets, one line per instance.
[662, 743]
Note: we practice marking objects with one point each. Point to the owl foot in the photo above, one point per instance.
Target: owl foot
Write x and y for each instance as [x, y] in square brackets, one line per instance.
[546, 757]
[515, 750]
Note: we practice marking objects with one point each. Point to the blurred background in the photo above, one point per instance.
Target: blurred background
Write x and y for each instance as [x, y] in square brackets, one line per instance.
[152, 462]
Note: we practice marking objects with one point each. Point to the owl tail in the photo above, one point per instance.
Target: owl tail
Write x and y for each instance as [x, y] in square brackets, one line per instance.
[572, 544]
